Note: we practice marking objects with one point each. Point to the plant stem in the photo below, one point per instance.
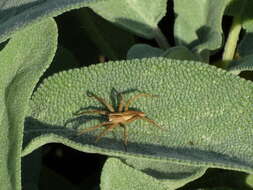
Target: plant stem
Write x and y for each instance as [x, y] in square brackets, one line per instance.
[233, 36]
[161, 39]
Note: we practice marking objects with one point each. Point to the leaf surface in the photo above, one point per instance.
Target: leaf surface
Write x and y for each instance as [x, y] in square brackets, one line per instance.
[206, 112]
[170, 174]
[140, 17]
[242, 64]
[143, 51]
[22, 62]
[198, 23]
[16, 14]
[114, 177]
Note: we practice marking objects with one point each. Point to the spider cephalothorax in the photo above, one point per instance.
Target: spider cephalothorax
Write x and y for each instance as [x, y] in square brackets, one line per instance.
[121, 117]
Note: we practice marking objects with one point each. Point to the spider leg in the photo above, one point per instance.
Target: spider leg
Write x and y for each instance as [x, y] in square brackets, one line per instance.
[121, 103]
[131, 100]
[102, 101]
[93, 128]
[105, 131]
[125, 134]
[152, 122]
[101, 112]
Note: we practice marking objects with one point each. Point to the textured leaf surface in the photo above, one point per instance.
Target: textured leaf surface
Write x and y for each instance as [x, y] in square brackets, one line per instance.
[114, 177]
[207, 112]
[140, 17]
[198, 23]
[15, 14]
[170, 174]
[22, 62]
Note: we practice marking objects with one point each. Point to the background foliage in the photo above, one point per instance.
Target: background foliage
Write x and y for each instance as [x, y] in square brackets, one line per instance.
[159, 47]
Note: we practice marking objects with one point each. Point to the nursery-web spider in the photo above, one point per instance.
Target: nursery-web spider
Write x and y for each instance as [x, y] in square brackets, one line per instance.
[121, 117]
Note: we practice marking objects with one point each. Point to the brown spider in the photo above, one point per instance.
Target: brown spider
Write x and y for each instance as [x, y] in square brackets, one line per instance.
[120, 118]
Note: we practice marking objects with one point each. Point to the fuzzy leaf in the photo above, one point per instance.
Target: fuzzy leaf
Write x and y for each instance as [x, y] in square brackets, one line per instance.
[206, 112]
[22, 62]
[114, 177]
[140, 17]
[16, 14]
[170, 174]
[198, 23]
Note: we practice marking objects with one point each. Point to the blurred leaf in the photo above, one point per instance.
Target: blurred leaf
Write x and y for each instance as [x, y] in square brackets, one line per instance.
[249, 180]
[142, 51]
[206, 112]
[22, 62]
[245, 47]
[198, 23]
[181, 53]
[139, 51]
[243, 10]
[242, 64]
[16, 14]
[100, 32]
[140, 17]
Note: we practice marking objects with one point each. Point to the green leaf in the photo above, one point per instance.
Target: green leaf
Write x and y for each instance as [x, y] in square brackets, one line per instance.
[206, 112]
[245, 47]
[143, 51]
[63, 60]
[249, 180]
[181, 53]
[16, 14]
[100, 32]
[198, 23]
[139, 51]
[22, 62]
[170, 174]
[140, 17]
[242, 64]
[242, 9]
[117, 175]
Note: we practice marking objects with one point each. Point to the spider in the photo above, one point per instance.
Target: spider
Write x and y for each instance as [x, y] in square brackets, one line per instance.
[121, 117]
